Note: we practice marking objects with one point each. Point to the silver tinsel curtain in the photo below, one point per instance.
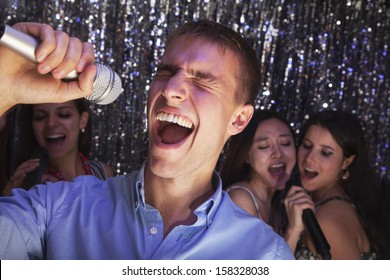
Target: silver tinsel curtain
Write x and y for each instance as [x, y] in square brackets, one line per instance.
[315, 55]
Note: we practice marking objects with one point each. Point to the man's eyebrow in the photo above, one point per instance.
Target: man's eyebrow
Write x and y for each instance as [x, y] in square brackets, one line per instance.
[201, 75]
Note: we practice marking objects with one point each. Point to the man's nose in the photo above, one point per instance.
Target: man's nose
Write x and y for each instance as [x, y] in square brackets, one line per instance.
[175, 89]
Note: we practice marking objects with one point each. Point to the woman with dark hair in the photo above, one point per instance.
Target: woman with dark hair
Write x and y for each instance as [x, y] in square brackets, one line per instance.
[258, 163]
[63, 131]
[335, 169]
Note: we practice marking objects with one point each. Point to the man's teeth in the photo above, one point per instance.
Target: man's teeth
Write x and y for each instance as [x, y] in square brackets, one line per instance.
[174, 119]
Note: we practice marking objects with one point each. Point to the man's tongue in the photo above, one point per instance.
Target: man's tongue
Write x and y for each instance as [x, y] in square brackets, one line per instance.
[173, 133]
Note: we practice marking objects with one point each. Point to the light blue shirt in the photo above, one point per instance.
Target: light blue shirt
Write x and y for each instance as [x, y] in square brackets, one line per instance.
[94, 219]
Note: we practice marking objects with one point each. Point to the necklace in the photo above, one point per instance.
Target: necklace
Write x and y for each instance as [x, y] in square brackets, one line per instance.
[86, 168]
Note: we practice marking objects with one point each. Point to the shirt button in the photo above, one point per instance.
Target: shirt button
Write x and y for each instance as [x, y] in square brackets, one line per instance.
[153, 230]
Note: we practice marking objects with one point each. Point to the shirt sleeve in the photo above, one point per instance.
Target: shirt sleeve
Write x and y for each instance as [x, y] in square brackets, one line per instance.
[24, 217]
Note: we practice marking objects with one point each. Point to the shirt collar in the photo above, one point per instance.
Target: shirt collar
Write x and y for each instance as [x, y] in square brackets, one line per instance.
[139, 187]
[208, 208]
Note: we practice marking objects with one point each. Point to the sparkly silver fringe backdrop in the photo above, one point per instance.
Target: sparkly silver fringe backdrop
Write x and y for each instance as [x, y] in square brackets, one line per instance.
[315, 54]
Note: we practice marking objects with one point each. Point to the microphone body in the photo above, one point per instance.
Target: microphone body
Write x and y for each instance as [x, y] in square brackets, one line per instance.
[315, 231]
[311, 224]
[34, 178]
[107, 85]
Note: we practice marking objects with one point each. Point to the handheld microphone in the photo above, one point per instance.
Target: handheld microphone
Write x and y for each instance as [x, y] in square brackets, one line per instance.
[34, 178]
[107, 86]
[311, 223]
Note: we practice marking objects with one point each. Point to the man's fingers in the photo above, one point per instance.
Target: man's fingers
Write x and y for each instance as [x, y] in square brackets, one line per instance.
[43, 33]
[86, 80]
[87, 57]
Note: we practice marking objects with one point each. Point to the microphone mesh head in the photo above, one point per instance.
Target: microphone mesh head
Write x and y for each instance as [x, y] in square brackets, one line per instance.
[107, 86]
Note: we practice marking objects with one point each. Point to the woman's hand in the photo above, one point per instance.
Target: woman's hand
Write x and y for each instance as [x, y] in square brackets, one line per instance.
[16, 180]
[296, 200]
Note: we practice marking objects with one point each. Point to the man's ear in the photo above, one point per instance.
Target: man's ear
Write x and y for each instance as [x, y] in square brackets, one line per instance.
[240, 119]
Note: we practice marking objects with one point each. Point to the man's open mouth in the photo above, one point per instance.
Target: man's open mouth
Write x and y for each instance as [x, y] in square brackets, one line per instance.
[172, 128]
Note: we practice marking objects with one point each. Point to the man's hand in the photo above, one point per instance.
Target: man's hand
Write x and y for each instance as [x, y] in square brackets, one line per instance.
[23, 81]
